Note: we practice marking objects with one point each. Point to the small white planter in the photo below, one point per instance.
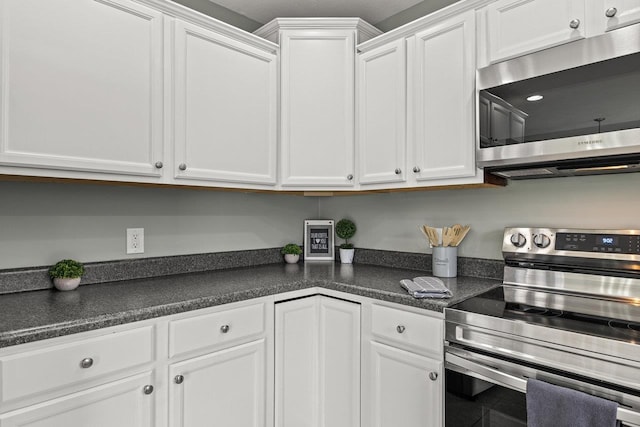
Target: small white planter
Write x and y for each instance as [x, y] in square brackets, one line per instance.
[66, 283]
[346, 256]
[291, 258]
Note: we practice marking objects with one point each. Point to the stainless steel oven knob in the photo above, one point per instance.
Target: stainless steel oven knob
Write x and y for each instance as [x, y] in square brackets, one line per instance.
[541, 240]
[518, 240]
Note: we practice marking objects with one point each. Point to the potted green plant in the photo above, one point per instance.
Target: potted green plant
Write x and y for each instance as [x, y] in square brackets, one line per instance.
[66, 274]
[345, 229]
[291, 253]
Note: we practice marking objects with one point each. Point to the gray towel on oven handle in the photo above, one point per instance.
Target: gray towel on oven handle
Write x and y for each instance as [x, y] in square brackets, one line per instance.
[550, 405]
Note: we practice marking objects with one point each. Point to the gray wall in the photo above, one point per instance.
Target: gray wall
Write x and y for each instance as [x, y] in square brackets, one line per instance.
[43, 223]
[411, 14]
[390, 221]
[222, 13]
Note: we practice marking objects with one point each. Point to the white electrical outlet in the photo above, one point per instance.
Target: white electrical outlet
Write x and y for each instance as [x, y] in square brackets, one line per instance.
[135, 240]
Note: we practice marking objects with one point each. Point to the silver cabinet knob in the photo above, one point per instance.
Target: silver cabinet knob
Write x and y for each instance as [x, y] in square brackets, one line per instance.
[159, 165]
[398, 171]
[575, 23]
[182, 166]
[148, 389]
[178, 379]
[433, 376]
[224, 329]
[400, 328]
[416, 169]
[87, 362]
[350, 177]
[611, 12]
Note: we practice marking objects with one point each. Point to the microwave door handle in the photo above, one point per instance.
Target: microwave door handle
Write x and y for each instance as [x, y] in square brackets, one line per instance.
[497, 377]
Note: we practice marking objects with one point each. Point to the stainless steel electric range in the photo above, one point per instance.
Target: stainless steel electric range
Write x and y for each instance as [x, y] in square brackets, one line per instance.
[568, 313]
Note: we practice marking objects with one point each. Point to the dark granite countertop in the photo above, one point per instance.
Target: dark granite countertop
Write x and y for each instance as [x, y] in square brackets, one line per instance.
[41, 314]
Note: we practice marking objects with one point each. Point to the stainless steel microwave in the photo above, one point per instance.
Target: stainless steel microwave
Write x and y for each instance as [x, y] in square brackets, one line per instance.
[565, 111]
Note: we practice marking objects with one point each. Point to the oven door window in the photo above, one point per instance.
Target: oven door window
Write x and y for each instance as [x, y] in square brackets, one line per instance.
[474, 402]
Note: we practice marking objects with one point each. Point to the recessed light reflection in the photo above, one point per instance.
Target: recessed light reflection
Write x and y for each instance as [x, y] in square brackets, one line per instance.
[534, 98]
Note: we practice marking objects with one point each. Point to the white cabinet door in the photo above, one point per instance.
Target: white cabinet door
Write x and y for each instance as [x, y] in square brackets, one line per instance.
[500, 123]
[627, 12]
[401, 390]
[225, 108]
[382, 114]
[517, 27]
[119, 403]
[81, 86]
[443, 105]
[317, 86]
[225, 388]
[317, 363]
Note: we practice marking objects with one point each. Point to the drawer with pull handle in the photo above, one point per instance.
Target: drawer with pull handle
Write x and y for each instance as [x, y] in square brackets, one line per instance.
[68, 367]
[216, 330]
[407, 329]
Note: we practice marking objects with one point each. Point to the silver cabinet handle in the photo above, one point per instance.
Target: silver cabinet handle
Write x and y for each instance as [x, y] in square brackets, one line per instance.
[575, 23]
[178, 379]
[611, 12]
[416, 169]
[398, 171]
[159, 165]
[433, 376]
[400, 328]
[86, 363]
[182, 166]
[224, 329]
[148, 389]
[350, 177]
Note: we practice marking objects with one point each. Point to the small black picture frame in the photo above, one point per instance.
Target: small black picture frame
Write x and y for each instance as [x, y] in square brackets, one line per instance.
[319, 240]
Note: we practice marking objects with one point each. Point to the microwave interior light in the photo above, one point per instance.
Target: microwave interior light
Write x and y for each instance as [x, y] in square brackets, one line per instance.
[534, 98]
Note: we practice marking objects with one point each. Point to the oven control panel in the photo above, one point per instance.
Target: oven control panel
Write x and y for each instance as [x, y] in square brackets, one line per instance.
[571, 242]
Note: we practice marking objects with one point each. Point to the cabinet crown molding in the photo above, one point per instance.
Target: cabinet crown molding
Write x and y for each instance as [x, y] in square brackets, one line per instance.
[365, 30]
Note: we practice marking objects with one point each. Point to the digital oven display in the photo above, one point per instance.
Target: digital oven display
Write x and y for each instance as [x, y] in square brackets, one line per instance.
[610, 243]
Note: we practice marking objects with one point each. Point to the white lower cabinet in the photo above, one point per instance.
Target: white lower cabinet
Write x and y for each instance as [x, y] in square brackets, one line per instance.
[402, 368]
[317, 363]
[330, 360]
[405, 389]
[225, 388]
[125, 403]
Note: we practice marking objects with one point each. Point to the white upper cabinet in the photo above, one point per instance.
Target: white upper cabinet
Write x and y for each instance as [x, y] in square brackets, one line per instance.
[619, 13]
[441, 84]
[225, 108]
[317, 108]
[512, 28]
[81, 88]
[317, 66]
[382, 114]
[516, 27]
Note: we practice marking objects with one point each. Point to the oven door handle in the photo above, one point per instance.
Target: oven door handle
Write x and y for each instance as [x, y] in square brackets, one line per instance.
[495, 376]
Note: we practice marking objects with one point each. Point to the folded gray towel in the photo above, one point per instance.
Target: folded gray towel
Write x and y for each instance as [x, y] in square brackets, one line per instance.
[549, 405]
[426, 287]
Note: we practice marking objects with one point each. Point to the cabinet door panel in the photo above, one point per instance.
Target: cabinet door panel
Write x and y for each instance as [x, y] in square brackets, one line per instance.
[226, 388]
[120, 403]
[401, 392]
[81, 86]
[444, 142]
[382, 114]
[517, 27]
[225, 108]
[317, 108]
[627, 13]
[317, 363]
